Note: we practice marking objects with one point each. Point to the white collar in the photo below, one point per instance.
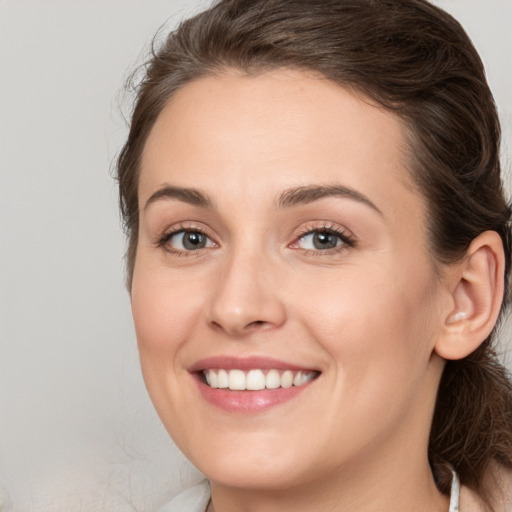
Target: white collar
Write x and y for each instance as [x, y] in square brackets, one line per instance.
[455, 493]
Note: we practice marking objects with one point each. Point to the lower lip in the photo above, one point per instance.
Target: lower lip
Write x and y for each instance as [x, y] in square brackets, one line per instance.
[248, 401]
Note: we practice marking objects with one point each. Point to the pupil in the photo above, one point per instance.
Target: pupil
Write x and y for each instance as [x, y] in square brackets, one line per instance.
[194, 241]
[325, 240]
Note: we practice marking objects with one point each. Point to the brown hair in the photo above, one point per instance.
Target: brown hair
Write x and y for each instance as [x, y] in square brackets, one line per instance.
[416, 60]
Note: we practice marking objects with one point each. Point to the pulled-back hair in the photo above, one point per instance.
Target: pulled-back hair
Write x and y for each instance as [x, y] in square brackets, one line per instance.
[415, 60]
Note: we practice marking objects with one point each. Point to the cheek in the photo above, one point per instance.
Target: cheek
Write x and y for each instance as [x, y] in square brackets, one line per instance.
[165, 313]
[164, 309]
[373, 322]
[379, 336]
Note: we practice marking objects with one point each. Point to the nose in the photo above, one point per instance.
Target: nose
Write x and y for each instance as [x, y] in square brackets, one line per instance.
[246, 297]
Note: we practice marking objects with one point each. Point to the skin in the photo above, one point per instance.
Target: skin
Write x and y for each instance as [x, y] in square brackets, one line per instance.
[367, 315]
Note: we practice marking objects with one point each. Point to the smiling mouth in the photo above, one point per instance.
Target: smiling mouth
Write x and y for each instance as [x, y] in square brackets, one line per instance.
[256, 379]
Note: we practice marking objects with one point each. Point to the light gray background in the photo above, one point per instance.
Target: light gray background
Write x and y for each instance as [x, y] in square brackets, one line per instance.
[77, 431]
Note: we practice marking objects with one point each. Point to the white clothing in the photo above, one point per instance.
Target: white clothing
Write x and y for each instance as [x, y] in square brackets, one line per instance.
[193, 499]
[455, 493]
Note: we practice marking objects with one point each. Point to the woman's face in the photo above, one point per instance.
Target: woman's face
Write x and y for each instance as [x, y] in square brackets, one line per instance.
[282, 248]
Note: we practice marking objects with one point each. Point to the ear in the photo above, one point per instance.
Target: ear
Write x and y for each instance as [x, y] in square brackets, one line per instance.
[476, 287]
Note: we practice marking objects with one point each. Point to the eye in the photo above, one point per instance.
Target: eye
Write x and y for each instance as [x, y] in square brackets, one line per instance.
[320, 240]
[187, 240]
[323, 239]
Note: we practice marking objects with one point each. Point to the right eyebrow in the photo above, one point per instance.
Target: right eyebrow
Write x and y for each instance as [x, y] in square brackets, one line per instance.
[187, 195]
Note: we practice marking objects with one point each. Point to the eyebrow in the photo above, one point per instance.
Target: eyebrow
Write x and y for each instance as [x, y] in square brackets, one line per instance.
[187, 195]
[291, 197]
[310, 193]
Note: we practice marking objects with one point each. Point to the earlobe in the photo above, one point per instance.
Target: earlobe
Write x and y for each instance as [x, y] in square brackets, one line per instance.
[477, 287]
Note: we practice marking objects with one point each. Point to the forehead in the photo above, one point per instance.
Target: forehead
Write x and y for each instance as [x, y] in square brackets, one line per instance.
[281, 128]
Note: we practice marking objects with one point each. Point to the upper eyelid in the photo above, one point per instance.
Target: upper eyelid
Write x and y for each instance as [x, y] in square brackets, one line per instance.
[173, 230]
[188, 226]
[310, 227]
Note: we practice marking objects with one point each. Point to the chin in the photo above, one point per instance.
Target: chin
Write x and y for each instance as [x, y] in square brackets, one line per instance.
[245, 474]
[250, 465]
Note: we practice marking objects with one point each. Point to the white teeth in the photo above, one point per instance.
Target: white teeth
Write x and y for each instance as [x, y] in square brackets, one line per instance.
[272, 380]
[306, 377]
[236, 380]
[287, 379]
[223, 379]
[254, 380]
[213, 380]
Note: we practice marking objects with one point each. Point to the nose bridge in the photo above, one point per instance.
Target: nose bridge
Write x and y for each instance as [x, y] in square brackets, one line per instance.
[246, 297]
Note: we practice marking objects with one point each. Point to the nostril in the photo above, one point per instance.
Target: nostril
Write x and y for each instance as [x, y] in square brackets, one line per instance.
[256, 323]
[241, 329]
[216, 325]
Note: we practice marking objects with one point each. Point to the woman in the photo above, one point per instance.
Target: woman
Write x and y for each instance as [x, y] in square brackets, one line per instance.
[319, 250]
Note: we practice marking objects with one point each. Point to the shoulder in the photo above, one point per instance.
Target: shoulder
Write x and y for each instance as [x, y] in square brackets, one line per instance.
[193, 499]
[499, 483]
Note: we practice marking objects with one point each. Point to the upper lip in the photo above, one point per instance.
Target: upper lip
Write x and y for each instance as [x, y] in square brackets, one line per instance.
[246, 363]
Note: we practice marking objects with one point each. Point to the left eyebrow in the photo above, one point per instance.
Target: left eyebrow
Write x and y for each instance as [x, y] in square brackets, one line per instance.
[310, 193]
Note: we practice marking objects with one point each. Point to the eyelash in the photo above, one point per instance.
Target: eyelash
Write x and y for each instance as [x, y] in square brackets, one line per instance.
[166, 237]
[347, 240]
